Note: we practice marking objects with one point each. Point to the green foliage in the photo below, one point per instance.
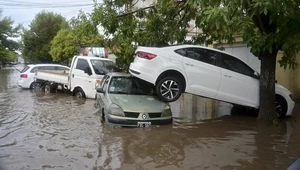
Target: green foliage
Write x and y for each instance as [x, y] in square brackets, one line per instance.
[8, 31]
[7, 55]
[64, 46]
[43, 29]
[127, 26]
[266, 25]
[11, 56]
[86, 30]
[82, 31]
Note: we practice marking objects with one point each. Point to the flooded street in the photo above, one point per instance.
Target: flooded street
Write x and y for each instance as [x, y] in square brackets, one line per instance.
[57, 131]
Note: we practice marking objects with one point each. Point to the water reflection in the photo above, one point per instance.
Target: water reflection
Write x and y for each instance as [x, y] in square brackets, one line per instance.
[58, 131]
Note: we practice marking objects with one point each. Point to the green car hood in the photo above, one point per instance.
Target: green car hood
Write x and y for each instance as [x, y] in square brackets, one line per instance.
[137, 103]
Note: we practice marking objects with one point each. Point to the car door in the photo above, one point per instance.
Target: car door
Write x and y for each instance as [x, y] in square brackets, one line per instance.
[239, 84]
[203, 75]
[103, 97]
[81, 79]
[32, 73]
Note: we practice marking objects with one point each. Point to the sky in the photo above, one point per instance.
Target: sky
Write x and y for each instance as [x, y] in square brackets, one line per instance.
[24, 11]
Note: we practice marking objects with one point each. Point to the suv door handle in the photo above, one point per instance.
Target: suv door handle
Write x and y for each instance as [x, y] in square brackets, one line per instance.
[73, 75]
[226, 75]
[189, 64]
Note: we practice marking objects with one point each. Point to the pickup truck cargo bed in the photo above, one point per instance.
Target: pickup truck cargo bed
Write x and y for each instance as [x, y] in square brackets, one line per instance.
[58, 76]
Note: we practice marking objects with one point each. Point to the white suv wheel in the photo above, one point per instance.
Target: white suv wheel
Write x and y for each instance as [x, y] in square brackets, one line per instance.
[169, 89]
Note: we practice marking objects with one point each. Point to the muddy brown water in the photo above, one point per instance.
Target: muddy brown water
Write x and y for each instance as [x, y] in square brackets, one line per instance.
[57, 131]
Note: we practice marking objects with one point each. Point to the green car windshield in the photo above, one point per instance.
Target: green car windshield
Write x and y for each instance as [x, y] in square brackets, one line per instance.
[130, 85]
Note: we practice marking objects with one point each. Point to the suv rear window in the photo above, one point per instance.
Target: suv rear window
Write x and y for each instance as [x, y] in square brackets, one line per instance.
[25, 69]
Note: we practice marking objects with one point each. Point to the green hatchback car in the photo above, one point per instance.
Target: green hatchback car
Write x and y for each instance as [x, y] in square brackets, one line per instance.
[125, 100]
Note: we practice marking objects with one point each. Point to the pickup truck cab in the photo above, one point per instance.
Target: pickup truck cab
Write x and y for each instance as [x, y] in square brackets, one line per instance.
[82, 79]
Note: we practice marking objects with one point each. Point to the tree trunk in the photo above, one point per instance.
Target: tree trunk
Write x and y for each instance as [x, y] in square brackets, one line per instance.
[267, 111]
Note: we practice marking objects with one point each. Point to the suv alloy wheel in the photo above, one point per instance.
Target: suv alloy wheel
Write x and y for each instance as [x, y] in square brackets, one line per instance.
[169, 89]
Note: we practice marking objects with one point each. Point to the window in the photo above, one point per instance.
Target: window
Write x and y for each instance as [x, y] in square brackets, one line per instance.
[205, 55]
[130, 85]
[181, 51]
[102, 67]
[82, 64]
[200, 54]
[105, 78]
[48, 68]
[61, 68]
[104, 83]
[35, 68]
[234, 64]
[25, 69]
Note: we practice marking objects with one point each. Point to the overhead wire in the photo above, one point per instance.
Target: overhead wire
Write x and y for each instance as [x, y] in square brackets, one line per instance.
[62, 4]
[25, 5]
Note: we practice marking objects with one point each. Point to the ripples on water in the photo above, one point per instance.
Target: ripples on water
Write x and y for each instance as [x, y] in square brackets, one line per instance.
[57, 131]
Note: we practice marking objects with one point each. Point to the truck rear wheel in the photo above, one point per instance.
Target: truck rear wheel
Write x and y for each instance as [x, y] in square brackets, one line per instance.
[79, 93]
[33, 85]
[49, 88]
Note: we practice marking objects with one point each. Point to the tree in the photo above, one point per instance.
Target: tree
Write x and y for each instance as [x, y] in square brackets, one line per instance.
[7, 32]
[126, 26]
[42, 30]
[86, 30]
[268, 26]
[82, 31]
[64, 46]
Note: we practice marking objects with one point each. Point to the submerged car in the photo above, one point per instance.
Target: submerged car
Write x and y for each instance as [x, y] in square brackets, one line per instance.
[128, 101]
[204, 72]
[27, 74]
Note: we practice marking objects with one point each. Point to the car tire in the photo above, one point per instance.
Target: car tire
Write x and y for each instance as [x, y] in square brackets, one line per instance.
[33, 85]
[103, 116]
[169, 89]
[79, 93]
[48, 88]
[281, 106]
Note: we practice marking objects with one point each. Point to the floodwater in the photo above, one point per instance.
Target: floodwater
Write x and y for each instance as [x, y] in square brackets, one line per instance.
[57, 131]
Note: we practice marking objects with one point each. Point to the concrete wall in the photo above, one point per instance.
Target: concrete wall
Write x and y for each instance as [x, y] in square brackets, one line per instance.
[190, 108]
[289, 78]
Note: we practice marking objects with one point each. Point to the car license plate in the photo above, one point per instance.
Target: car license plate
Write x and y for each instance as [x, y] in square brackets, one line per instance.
[143, 124]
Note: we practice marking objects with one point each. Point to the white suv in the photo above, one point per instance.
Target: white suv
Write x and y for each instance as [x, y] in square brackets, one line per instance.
[27, 74]
[205, 72]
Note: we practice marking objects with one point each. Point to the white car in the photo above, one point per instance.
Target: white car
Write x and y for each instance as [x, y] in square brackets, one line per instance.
[205, 72]
[27, 74]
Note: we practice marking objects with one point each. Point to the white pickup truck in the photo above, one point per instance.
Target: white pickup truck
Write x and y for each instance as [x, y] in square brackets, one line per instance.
[82, 79]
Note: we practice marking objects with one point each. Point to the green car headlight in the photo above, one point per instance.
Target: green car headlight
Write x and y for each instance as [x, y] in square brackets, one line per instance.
[116, 110]
[166, 112]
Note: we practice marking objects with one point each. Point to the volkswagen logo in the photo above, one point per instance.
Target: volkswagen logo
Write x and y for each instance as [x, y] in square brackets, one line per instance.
[144, 116]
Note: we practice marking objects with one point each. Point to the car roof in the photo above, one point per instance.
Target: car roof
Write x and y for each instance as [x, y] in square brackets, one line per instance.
[96, 58]
[119, 74]
[196, 46]
[175, 47]
[33, 65]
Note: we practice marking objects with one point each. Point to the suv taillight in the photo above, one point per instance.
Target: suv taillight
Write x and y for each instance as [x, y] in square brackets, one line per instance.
[23, 75]
[145, 55]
